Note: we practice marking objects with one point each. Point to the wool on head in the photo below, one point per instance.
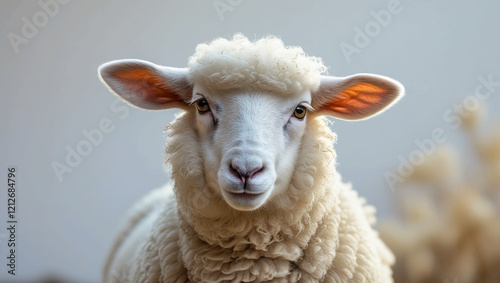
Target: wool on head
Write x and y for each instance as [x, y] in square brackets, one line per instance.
[266, 64]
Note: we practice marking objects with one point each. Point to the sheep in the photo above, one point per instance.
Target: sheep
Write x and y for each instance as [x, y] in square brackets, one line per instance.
[255, 196]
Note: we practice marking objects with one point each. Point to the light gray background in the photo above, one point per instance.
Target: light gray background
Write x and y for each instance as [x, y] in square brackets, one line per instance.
[50, 94]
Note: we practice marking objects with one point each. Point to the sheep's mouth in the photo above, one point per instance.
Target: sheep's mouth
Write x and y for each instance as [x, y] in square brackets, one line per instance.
[245, 200]
[246, 195]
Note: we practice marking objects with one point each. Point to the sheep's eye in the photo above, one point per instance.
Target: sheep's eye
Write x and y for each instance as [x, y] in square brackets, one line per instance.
[202, 105]
[300, 112]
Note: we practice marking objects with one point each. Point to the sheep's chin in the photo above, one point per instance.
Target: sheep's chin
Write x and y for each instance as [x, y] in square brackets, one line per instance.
[246, 201]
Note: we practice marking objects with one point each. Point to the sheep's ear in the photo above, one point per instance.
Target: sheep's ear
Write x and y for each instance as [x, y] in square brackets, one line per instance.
[147, 85]
[355, 97]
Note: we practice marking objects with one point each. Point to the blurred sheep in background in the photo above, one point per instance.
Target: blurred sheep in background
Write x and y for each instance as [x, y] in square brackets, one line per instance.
[449, 213]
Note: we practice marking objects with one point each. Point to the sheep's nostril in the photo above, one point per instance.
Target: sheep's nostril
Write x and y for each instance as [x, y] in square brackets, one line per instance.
[254, 172]
[234, 171]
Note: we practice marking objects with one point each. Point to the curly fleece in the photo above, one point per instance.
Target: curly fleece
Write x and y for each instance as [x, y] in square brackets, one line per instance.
[318, 231]
[265, 65]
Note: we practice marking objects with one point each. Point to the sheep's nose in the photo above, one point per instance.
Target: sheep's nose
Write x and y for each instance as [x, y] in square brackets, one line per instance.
[244, 174]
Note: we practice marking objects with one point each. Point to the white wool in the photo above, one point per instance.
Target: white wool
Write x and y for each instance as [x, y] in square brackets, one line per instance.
[266, 64]
[317, 232]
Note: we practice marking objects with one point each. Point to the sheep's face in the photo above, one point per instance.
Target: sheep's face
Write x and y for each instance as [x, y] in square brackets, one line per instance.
[250, 142]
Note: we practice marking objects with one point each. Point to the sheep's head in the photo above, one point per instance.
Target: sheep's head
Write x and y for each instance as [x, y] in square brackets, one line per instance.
[251, 103]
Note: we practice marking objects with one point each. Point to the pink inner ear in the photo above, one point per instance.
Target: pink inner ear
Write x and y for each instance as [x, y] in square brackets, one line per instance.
[138, 79]
[148, 85]
[357, 98]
